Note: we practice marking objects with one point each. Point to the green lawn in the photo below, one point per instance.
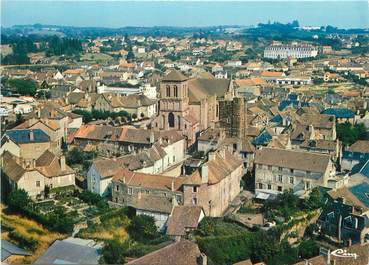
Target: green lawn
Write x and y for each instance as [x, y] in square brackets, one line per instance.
[96, 57]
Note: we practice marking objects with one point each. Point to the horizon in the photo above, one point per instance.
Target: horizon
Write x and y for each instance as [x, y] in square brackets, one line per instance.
[185, 14]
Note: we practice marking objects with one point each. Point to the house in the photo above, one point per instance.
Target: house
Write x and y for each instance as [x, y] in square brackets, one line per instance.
[153, 195]
[115, 141]
[50, 127]
[48, 170]
[330, 147]
[210, 139]
[355, 154]
[154, 160]
[9, 250]
[138, 105]
[215, 184]
[277, 170]
[312, 127]
[71, 251]
[248, 86]
[341, 114]
[344, 217]
[180, 252]
[184, 219]
[29, 144]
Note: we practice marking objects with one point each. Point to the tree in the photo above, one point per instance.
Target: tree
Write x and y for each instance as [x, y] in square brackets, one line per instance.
[18, 200]
[318, 81]
[349, 134]
[315, 200]
[308, 249]
[75, 156]
[23, 86]
[113, 252]
[143, 228]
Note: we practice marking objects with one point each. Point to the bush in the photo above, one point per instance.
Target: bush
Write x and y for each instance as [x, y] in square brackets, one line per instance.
[57, 220]
[93, 199]
[24, 242]
[143, 228]
[113, 252]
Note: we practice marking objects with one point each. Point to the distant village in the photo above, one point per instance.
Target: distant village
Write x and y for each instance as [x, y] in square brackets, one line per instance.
[195, 136]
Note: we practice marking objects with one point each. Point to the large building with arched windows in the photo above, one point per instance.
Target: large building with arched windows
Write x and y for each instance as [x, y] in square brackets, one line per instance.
[174, 112]
[190, 105]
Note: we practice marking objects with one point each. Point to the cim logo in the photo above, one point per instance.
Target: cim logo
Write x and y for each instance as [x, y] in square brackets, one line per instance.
[342, 253]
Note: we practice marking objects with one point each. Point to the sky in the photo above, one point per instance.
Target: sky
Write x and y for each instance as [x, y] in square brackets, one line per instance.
[343, 14]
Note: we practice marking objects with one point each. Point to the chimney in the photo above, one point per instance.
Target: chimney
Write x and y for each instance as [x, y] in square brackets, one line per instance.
[329, 257]
[62, 163]
[204, 174]
[38, 113]
[33, 163]
[172, 185]
[31, 136]
[174, 201]
[211, 156]
[340, 228]
[202, 259]
[152, 137]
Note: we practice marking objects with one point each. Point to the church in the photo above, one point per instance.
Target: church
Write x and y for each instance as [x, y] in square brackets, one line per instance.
[190, 105]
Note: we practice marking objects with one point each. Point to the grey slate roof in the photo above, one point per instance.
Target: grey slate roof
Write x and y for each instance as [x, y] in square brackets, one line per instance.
[8, 249]
[63, 252]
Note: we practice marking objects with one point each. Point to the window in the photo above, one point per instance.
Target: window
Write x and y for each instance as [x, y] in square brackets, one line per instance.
[307, 185]
[171, 120]
[116, 199]
[168, 91]
[292, 180]
[175, 91]
[130, 191]
[194, 188]
[291, 170]
[279, 188]
[147, 191]
[38, 184]
[280, 169]
[260, 185]
[269, 167]
[269, 187]
[194, 201]
[280, 178]
[117, 188]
